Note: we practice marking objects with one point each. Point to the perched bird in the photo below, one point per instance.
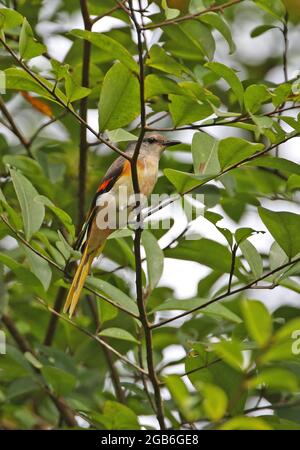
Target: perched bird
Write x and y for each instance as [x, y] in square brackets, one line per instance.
[116, 181]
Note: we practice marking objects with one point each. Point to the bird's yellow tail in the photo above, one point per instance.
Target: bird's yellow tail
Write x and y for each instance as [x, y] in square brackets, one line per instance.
[79, 279]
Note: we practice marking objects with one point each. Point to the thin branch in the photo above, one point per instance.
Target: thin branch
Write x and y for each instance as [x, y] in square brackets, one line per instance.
[119, 5]
[45, 125]
[138, 232]
[233, 258]
[94, 337]
[252, 284]
[14, 128]
[83, 111]
[192, 16]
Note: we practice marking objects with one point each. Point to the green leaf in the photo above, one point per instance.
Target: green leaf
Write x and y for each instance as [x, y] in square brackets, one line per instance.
[60, 214]
[245, 423]
[253, 258]
[185, 305]
[217, 22]
[109, 46]
[120, 135]
[9, 19]
[274, 7]
[233, 150]
[275, 378]
[21, 81]
[28, 45]
[231, 353]
[284, 227]
[254, 96]
[181, 396]
[159, 85]
[258, 31]
[119, 417]
[281, 164]
[230, 77]
[60, 381]
[115, 294]
[118, 333]
[185, 109]
[203, 251]
[215, 401]
[220, 310]
[73, 90]
[160, 60]
[39, 267]
[33, 211]
[119, 100]
[155, 258]
[205, 154]
[258, 321]
[184, 181]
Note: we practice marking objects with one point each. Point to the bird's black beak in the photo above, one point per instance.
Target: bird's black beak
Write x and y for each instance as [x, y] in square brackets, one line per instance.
[170, 143]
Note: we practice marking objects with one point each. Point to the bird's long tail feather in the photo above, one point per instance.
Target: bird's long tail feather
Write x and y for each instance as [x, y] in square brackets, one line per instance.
[79, 279]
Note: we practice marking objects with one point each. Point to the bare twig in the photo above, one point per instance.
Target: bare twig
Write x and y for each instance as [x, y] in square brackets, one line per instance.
[180, 19]
[227, 294]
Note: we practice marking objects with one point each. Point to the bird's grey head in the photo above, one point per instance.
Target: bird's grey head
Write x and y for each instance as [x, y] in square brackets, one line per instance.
[156, 143]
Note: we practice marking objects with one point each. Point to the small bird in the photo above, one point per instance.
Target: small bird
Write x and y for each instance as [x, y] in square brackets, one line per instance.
[92, 238]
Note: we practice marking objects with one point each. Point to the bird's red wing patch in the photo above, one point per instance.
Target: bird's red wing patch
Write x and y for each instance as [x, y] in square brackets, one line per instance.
[104, 185]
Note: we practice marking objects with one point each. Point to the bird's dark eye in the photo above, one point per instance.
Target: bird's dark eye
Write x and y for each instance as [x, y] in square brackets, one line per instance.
[151, 140]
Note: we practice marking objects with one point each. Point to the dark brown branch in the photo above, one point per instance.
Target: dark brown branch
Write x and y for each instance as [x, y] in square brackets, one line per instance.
[138, 232]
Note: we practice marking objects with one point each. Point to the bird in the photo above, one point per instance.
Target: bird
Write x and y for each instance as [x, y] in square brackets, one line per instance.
[117, 180]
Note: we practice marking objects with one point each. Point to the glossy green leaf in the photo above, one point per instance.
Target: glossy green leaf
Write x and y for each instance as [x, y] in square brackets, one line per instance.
[111, 47]
[233, 150]
[155, 258]
[118, 333]
[205, 154]
[29, 47]
[284, 228]
[33, 211]
[258, 321]
[119, 100]
[230, 77]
